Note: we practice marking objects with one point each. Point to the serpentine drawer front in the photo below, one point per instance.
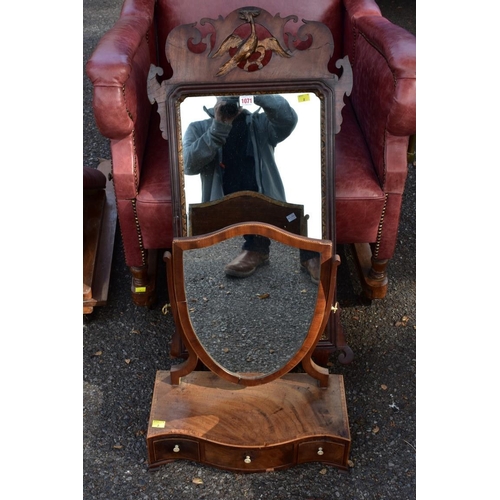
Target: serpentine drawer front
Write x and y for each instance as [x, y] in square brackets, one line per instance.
[323, 451]
[249, 459]
[248, 429]
[168, 449]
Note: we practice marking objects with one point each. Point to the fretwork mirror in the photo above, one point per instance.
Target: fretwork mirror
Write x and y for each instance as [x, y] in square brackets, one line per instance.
[256, 56]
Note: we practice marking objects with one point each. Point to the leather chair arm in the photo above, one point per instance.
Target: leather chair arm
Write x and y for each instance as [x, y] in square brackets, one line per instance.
[359, 8]
[384, 94]
[398, 48]
[110, 67]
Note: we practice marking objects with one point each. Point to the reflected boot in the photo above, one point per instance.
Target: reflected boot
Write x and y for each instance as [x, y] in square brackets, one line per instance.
[312, 267]
[246, 263]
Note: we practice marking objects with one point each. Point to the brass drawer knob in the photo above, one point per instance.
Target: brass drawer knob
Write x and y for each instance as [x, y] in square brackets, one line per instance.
[176, 448]
[247, 459]
[320, 451]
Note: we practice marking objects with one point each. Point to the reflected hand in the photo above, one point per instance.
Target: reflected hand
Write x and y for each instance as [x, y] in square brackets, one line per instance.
[225, 115]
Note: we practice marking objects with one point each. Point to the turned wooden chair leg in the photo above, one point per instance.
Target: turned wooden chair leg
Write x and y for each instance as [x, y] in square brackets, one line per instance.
[378, 271]
[377, 281]
[144, 282]
[372, 272]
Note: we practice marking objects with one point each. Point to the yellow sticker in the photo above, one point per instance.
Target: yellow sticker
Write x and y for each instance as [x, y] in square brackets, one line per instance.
[140, 289]
[159, 424]
[303, 98]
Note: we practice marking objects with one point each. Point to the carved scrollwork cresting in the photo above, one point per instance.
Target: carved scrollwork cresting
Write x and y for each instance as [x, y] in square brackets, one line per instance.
[342, 86]
[250, 51]
[249, 40]
[158, 93]
[225, 27]
[249, 45]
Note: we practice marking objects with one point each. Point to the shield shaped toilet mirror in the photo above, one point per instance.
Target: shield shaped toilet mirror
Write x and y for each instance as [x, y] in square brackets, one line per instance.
[253, 330]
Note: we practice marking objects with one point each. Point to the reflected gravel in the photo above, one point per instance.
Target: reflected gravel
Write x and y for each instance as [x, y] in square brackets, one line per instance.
[254, 324]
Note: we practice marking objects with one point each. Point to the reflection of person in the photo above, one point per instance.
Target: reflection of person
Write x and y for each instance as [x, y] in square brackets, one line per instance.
[233, 150]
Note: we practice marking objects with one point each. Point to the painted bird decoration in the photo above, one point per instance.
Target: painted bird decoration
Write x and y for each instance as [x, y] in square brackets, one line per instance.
[245, 48]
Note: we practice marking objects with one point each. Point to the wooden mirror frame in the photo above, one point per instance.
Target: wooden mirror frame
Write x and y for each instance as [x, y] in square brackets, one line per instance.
[326, 291]
[326, 144]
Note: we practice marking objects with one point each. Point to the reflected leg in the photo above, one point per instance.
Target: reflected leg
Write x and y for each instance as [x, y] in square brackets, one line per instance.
[255, 253]
[309, 262]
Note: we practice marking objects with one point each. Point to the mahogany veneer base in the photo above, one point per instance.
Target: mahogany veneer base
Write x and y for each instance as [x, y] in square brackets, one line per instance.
[248, 429]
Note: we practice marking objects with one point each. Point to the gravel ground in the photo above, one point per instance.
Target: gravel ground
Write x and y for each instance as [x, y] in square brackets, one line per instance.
[124, 345]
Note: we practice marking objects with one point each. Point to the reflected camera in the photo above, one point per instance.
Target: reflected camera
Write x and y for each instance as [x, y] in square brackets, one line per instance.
[231, 106]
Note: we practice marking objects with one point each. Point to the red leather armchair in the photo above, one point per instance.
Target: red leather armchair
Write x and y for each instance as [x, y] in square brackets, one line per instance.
[371, 148]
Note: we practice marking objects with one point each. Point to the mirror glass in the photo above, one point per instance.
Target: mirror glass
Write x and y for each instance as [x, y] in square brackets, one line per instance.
[252, 325]
[297, 157]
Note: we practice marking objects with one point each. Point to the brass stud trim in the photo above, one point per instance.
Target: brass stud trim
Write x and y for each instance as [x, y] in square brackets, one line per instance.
[380, 227]
[139, 234]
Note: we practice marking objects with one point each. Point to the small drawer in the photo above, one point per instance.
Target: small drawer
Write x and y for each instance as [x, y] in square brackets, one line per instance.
[322, 451]
[174, 449]
[250, 459]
